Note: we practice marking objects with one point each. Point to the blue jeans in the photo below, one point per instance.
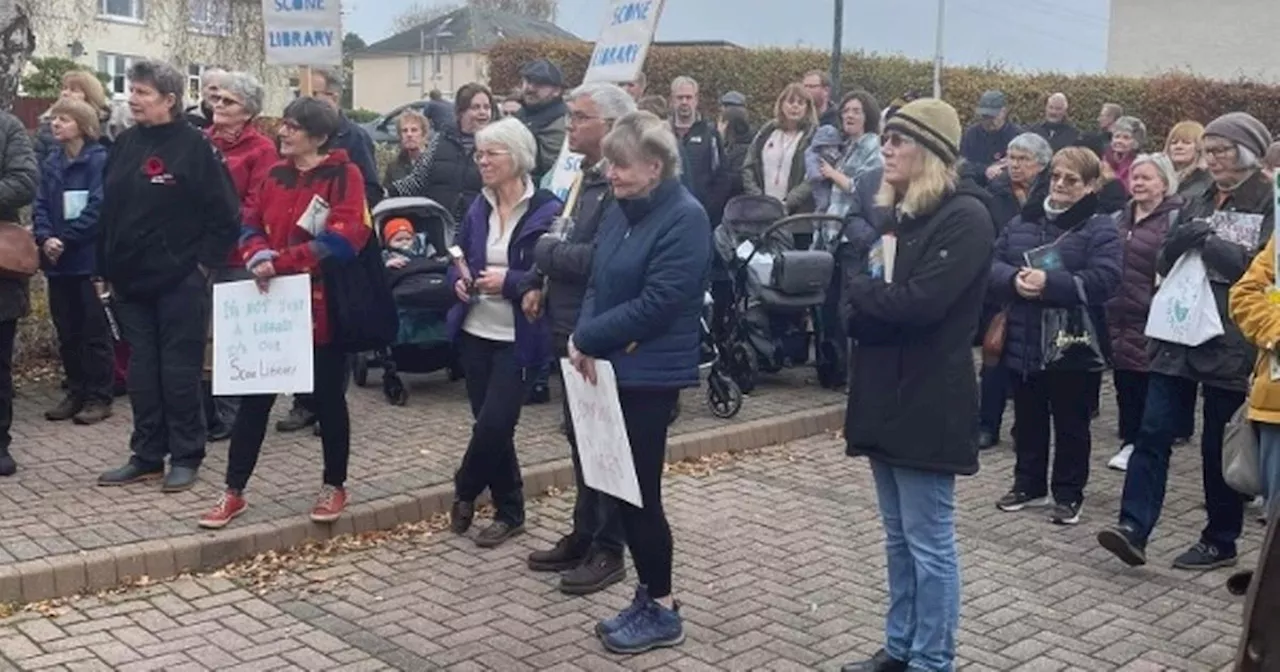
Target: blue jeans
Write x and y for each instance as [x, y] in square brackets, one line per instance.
[993, 394]
[918, 512]
[1168, 404]
[1269, 460]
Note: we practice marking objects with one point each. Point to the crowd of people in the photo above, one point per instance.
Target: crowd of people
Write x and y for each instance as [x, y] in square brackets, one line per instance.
[1046, 247]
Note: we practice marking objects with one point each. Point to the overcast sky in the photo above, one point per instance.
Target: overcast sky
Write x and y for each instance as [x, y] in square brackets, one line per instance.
[1061, 35]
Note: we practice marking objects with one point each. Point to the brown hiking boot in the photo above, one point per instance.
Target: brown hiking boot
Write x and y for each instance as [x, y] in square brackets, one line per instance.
[65, 410]
[92, 413]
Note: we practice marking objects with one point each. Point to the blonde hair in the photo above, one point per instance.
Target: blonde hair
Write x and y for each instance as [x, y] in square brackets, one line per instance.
[642, 135]
[1083, 162]
[416, 117]
[932, 181]
[82, 113]
[1187, 131]
[796, 92]
[88, 84]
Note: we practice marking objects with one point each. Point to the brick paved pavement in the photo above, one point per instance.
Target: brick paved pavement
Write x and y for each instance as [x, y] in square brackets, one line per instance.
[52, 508]
[778, 562]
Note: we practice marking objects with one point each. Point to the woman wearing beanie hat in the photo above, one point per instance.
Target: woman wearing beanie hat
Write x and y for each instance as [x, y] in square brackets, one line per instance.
[912, 332]
[1233, 144]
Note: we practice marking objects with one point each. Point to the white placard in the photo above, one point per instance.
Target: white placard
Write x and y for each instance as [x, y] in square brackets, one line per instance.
[566, 170]
[603, 447]
[302, 32]
[262, 342]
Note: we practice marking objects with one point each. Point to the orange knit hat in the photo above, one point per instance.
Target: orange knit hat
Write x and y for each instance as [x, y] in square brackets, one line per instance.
[396, 225]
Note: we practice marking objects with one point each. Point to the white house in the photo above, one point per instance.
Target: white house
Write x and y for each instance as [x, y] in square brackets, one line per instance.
[1228, 39]
[109, 35]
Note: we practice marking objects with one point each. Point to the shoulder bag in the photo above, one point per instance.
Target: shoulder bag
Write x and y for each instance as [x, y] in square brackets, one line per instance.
[19, 258]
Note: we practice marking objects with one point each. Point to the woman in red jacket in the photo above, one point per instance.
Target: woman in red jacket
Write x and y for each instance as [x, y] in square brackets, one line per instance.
[273, 245]
[249, 154]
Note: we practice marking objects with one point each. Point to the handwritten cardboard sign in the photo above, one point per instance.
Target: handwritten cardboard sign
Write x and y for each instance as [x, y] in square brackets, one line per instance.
[603, 446]
[262, 342]
[302, 32]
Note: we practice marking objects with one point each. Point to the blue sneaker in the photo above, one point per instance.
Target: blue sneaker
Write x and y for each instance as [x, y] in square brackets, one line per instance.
[653, 627]
[610, 625]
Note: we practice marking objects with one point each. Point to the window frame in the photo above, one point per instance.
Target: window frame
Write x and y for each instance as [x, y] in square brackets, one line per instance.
[137, 12]
[106, 64]
[216, 20]
[415, 63]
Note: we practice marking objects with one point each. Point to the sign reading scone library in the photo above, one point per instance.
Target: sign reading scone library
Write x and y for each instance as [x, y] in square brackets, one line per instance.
[302, 32]
[624, 41]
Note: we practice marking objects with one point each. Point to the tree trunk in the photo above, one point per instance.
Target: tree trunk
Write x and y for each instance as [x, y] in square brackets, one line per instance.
[17, 41]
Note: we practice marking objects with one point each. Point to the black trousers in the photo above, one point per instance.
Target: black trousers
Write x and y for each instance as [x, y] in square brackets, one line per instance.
[496, 390]
[1131, 399]
[8, 330]
[645, 413]
[84, 337]
[1061, 400]
[596, 520]
[167, 336]
[335, 432]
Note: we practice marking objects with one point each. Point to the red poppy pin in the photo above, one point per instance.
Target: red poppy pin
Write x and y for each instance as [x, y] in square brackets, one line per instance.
[154, 167]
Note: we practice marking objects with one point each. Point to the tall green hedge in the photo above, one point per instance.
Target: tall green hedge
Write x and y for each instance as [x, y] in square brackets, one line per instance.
[762, 73]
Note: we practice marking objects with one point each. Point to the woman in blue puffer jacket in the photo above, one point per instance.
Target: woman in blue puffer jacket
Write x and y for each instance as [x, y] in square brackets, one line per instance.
[1086, 260]
[641, 313]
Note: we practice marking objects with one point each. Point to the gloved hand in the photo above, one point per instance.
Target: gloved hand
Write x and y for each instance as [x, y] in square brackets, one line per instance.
[1189, 236]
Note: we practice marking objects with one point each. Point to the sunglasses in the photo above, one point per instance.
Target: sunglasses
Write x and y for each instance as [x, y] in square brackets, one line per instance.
[219, 99]
[896, 140]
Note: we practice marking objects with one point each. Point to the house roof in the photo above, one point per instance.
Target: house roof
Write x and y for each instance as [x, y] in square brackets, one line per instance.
[469, 30]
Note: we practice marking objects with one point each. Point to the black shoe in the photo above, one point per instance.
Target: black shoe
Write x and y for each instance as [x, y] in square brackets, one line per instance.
[7, 466]
[1017, 501]
[460, 516]
[540, 394]
[1238, 584]
[496, 533]
[298, 418]
[987, 440]
[568, 553]
[1066, 514]
[65, 410]
[1203, 557]
[129, 473]
[179, 479]
[220, 432]
[1122, 541]
[881, 662]
[600, 570]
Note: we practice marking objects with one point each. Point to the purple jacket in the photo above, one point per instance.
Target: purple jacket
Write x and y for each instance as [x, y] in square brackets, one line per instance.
[1127, 310]
[533, 340]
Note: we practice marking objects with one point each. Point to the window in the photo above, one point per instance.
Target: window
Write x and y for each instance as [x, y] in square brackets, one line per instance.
[116, 66]
[210, 17]
[194, 89]
[128, 10]
[415, 69]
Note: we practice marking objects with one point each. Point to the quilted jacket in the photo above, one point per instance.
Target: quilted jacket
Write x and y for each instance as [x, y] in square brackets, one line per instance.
[1127, 310]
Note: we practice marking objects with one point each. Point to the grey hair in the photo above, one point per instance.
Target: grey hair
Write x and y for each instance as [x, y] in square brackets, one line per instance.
[211, 74]
[1114, 109]
[335, 81]
[682, 80]
[1133, 126]
[515, 136]
[1246, 159]
[1164, 168]
[246, 87]
[1034, 145]
[643, 135]
[610, 99]
[164, 77]
[1061, 95]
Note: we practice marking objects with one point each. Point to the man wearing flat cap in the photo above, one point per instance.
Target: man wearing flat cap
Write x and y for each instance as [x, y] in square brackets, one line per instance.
[1226, 226]
[984, 144]
[544, 112]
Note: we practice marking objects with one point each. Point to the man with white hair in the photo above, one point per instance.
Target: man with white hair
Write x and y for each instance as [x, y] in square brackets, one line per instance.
[201, 115]
[1055, 128]
[590, 555]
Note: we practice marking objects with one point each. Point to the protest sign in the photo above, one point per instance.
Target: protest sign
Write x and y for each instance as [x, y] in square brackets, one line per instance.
[603, 447]
[262, 342]
[618, 57]
[302, 32]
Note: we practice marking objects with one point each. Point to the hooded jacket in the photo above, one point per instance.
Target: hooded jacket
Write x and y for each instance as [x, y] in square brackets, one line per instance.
[77, 182]
[1223, 362]
[1127, 311]
[1090, 249]
[913, 392]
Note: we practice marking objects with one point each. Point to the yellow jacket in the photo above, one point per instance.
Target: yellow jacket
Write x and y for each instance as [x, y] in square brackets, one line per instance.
[1255, 308]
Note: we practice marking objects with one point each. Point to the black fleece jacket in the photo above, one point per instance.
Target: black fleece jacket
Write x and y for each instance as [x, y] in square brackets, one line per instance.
[168, 206]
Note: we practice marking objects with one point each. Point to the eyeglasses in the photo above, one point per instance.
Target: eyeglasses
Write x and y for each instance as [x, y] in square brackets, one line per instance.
[896, 140]
[1218, 151]
[489, 154]
[1067, 179]
[290, 125]
[219, 99]
[580, 118]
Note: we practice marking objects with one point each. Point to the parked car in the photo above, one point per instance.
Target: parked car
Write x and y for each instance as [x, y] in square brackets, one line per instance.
[385, 129]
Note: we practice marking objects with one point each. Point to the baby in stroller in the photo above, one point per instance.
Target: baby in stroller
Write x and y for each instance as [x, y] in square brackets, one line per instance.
[402, 243]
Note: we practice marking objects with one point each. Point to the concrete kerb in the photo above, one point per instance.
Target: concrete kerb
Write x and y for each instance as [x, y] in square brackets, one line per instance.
[68, 574]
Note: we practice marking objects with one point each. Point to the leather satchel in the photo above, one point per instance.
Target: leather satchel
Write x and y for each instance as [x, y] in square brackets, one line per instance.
[19, 258]
[993, 339]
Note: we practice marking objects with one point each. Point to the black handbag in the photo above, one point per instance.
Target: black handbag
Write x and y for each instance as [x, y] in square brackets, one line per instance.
[362, 314]
[1069, 338]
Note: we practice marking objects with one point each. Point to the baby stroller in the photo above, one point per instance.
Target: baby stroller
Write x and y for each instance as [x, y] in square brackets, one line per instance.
[422, 296]
[724, 397]
[773, 290]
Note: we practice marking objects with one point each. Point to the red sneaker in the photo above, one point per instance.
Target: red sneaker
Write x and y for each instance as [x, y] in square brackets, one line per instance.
[329, 504]
[230, 505]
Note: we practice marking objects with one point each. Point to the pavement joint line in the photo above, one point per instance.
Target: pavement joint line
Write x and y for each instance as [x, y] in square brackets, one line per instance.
[32, 581]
